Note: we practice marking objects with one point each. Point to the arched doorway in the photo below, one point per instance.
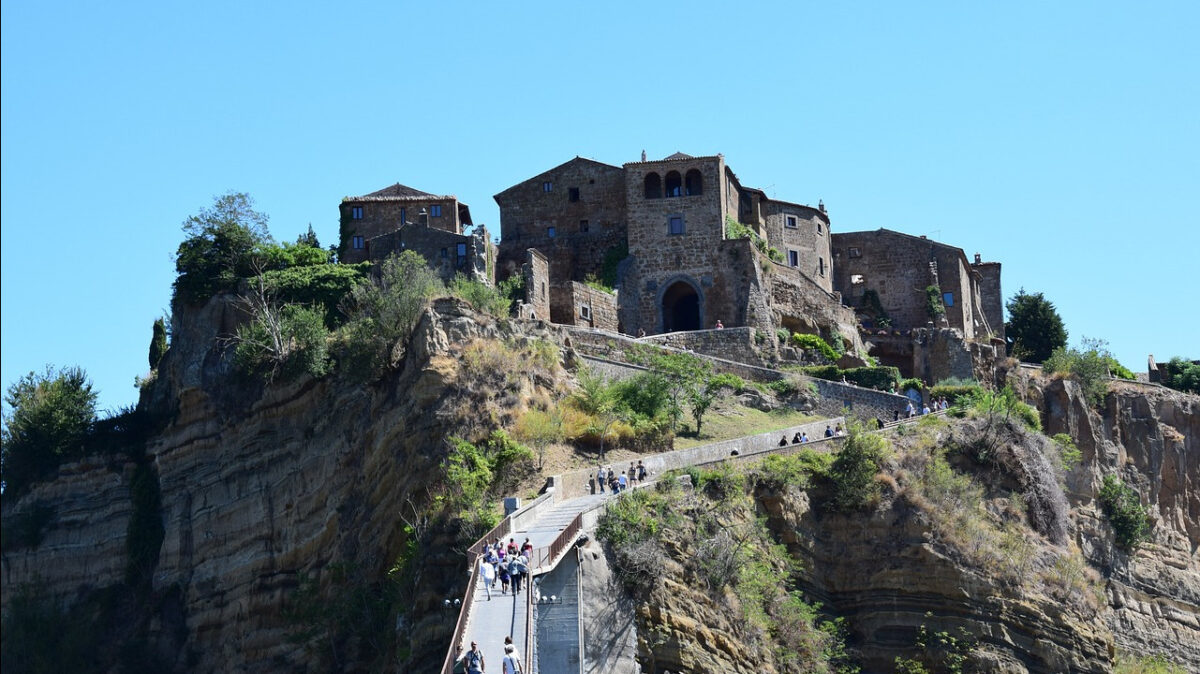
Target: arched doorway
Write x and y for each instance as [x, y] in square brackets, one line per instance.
[680, 307]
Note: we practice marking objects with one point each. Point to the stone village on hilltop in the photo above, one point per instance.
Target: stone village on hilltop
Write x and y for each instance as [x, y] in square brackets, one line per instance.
[683, 245]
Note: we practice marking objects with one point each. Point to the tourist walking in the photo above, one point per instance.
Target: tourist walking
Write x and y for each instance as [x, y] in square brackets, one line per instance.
[642, 472]
[621, 483]
[473, 660]
[487, 573]
[600, 477]
[510, 652]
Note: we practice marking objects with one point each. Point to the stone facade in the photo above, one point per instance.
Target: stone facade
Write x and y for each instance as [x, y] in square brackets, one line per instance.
[448, 253]
[537, 281]
[899, 267]
[592, 308]
[801, 234]
[367, 217]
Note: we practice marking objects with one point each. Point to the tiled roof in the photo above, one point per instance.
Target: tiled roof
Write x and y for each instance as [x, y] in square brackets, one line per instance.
[680, 155]
[399, 190]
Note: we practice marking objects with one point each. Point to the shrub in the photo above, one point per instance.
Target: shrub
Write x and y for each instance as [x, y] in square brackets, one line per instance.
[1125, 512]
[852, 473]
[815, 343]
[782, 335]
[383, 313]
[479, 295]
[912, 383]
[1182, 375]
[799, 469]
[48, 416]
[1089, 365]
[144, 533]
[269, 256]
[513, 289]
[933, 302]
[1068, 452]
[954, 393]
[284, 341]
[881, 378]
[1151, 664]
[612, 260]
[993, 404]
[325, 285]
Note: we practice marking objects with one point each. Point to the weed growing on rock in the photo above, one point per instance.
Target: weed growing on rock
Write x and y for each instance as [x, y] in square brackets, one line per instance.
[1125, 512]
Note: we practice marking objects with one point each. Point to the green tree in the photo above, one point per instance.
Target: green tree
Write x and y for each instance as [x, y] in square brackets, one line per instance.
[702, 397]
[219, 247]
[1183, 375]
[308, 238]
[1091, 365]
[599, 400]
[384, 311]
[541, 428]
[854, 468]
[684, 375]
[1125, 512]
[158, 342]
[1034, 328]
[47, 418]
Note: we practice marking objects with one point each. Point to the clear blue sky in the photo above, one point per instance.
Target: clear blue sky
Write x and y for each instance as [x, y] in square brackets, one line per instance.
[1061, 139]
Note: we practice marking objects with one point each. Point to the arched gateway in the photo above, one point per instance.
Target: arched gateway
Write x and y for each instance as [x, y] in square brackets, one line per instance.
[680, 307]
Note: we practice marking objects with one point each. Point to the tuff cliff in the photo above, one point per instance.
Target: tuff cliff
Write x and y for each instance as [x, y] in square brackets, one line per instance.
[264, 490]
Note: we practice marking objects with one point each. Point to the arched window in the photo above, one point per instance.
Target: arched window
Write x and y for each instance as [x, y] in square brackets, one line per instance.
[693, 183]
[674, 184]
[653, 186]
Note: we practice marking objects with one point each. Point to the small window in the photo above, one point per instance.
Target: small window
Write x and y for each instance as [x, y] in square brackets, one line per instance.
[583, 225]
[675, 224]
[857, 279]
[403, 216]
[572, 194]
[461, 249]
[820, 228]
[444, 253]
[821, 266]
[435, 211]
[356, 242]
[854, 252]
[356, 212]
[793, 258]
[585, 312]
[547, 186]
[948, 298]
[543, 290]
[551, 232]
[790, 222]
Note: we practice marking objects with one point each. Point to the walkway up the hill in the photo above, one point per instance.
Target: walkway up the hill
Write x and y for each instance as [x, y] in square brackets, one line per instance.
[505, 615]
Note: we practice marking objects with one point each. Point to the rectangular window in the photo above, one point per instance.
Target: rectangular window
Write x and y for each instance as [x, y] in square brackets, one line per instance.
[821, 266]
[551, 232]
[855, 252]
[356, 242]
[462, 250]
[356, 212]
[675, 224]
[573, 194]
[547, 186]
[403, 216]
[444, 254]
[435, 211]
[790, 222]
[948, 298]
[585, 312]
[820, 228]
[583, 225]
[793, 258]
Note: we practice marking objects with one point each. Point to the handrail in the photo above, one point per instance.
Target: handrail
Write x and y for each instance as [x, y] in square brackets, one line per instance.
[464, 614]
[528, 661]
[547, 555]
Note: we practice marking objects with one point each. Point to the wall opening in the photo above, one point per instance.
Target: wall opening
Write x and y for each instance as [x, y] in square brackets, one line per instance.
[680, 308]
[674, 184]
[653, 186]
[693, 183]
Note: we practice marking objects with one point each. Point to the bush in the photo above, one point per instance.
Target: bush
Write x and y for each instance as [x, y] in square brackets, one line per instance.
[271, 256]
[815, 343]
[481, 296]
[325, 285]
[284, 341]
[799, 470]
[954, 393]
[1004, 402]
[1182, 375]
[852, 473]
[912, 383]
[1068, 452]
[1089, 365]
[933, 302]
[881, 378]
[1125, 512]
[48, 417]
[158, 342]
[383, 313]
[612, 259]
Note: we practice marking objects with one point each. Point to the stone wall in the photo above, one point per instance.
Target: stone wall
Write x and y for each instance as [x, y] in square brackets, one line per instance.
[537, 279]
[800, 305]
[592, 308]
[737, 344]
[991, 298]
[584, 205]
[449, 254]
[801, 234]
[381, 215]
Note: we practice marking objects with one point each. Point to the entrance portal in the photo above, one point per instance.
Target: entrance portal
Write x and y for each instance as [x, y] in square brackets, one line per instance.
[680, 308]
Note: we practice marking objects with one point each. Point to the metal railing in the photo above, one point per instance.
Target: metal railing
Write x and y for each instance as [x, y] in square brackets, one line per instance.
[464, 615]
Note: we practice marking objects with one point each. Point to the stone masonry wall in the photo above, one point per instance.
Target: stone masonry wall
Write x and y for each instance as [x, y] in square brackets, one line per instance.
[593, 308]
[738, 344]
[440, 248]
[991, 299]
[584, 230]
[809, 239]
[382, 215]
[800, 305]
[537, 295]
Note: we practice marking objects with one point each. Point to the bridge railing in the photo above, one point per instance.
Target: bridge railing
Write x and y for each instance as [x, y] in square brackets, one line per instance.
[464, 615]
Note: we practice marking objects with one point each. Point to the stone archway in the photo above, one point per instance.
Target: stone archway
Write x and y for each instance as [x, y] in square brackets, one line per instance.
[680, 306]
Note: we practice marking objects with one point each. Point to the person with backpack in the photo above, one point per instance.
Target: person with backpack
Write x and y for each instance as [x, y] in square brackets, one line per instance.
[473, 660]
[512, 662]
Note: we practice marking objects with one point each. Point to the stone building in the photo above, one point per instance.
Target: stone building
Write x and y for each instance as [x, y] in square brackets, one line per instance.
[659, 231]
[399, 218]
[366, 217]
[885, 274]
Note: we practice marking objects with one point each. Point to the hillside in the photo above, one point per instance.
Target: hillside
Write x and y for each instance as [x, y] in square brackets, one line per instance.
[318, 525]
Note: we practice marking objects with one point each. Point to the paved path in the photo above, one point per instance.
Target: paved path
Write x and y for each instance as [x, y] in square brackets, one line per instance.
[504, 615]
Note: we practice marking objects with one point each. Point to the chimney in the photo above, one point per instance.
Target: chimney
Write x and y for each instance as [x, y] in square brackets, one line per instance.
[821, 205]
[978, 259]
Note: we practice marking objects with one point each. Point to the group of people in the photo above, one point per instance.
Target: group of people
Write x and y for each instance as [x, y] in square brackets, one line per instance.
[473, 661]
[801, 436]
[911, 410]
[619, 481]
[506, 563]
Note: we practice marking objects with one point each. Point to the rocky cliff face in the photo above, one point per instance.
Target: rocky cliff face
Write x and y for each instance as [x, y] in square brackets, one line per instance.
[261, 487]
